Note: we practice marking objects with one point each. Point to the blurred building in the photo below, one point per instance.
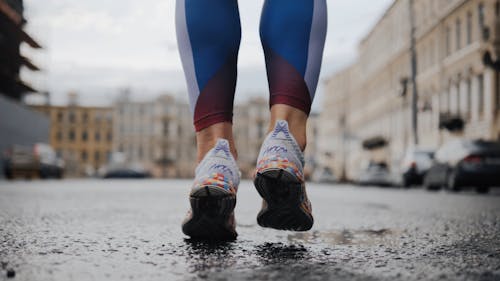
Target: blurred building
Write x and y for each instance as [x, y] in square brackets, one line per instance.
[81, 135]
[157, 134]
[19, 124]
[311, 152]
[11, 60]
[458, 51]
[251, 121]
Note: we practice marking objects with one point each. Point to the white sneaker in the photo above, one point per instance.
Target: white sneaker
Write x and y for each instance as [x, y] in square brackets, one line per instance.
[213, 196]
[279, 179]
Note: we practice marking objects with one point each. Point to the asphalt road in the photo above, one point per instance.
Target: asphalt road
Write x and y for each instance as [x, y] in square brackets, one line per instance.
[121, 230]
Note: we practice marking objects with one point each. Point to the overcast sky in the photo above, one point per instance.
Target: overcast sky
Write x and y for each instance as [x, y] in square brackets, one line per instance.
[96, 47]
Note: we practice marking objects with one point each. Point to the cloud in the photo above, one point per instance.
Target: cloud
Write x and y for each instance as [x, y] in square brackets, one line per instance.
[99, 46]
[77, 20]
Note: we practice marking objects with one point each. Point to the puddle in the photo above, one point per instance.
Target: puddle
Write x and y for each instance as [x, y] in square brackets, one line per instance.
[347, 237]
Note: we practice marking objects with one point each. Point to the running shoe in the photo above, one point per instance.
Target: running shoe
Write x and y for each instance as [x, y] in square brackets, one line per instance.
[279, 179]
[213, 196]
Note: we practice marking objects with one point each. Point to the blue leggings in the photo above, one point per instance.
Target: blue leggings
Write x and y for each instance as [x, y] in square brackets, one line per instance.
[292, 33]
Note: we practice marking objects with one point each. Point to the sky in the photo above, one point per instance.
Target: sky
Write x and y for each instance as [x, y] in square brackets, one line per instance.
[99, 47]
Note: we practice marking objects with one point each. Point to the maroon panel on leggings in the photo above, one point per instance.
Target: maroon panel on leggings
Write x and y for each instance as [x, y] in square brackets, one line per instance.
[286, 84]
[215, 102]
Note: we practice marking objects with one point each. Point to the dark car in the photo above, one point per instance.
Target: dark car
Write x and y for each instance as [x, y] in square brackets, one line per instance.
[376, 173]
[36, 161]
[125, 171]
[414, 166]
[465, 163]
[126, 174]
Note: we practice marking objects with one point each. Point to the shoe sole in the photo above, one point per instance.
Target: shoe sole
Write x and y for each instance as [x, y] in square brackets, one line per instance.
[283, 193]
[211, 209]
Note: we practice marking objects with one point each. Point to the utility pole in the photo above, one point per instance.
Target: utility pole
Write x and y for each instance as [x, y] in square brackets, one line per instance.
[413, 51]
[343, 176]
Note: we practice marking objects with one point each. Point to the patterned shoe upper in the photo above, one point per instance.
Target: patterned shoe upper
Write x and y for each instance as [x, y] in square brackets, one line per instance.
[281, 151]
[218, 168]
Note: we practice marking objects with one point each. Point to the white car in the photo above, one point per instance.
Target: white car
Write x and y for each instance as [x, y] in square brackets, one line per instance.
[377, 174]
[324, 175]
[414, 166]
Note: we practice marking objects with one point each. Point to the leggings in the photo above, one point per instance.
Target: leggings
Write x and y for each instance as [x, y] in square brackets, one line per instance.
[292, 33]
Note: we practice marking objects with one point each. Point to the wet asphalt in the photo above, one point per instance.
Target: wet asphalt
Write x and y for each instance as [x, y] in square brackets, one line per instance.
[130, 230]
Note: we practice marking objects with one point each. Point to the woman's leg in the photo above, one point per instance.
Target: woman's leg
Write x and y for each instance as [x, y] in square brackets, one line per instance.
[208, 35]
[293, 36]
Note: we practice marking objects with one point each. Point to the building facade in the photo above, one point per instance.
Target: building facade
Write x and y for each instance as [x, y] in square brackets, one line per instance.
[311, 152]
[457, 45]
[157, 134]
[81, 135]
[251, 122]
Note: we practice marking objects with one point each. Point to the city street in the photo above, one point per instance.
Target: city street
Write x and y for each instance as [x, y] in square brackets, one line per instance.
[130, 230]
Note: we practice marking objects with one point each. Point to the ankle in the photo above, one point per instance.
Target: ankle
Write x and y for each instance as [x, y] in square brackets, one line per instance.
[297, 122]
[207, 138]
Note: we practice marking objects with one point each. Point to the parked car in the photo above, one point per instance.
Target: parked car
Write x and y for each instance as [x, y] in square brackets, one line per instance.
[124, 170]
[376, 173]
[465, 163]
[324, 175]
[414, 166]
[126, 173]
[37, 161]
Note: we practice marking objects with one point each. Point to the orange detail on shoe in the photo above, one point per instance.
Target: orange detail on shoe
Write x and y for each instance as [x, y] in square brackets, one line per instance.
[277, 162]
[217, 180]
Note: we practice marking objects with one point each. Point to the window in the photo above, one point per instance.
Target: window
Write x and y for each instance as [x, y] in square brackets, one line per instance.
[85, 117]
[165, 128]
[458, 36]
[480, 12]
[109, 117]
[480, 93]
[84, 155]
[469, 98]
[97, 136]
[431, 54]
[97, 117]
[469, 28]
[448, 38]
[72, 117]
[60, 116]
[97, 156]
[71, 135]
[448, 99]
[59, 135]
[84, 136]
[109, 136]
